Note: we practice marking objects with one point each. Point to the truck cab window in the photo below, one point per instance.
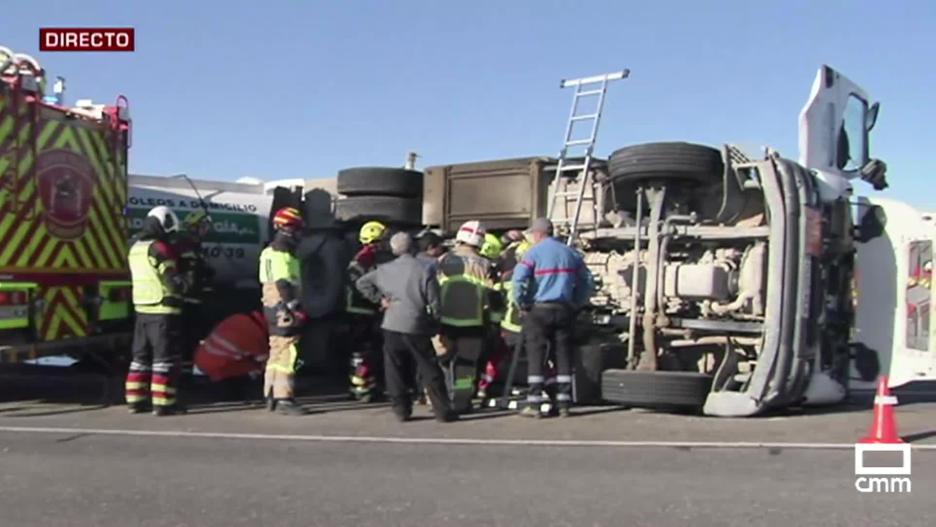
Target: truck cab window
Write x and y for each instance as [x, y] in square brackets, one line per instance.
[853, 136]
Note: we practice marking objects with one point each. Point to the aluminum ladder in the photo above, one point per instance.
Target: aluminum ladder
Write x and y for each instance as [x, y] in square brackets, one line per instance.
[573, 178]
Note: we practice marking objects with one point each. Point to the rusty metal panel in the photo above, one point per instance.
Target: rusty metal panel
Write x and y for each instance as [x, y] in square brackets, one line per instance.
[502, 194]
[434, 196]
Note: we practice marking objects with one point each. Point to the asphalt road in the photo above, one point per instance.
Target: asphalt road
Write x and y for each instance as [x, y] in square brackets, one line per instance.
[53, 479]
[67, 460]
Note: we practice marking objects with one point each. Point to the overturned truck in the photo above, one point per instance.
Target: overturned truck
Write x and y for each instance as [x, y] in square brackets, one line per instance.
[724, 283]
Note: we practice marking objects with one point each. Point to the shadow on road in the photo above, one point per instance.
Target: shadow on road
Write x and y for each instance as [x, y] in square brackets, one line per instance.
[922, 436]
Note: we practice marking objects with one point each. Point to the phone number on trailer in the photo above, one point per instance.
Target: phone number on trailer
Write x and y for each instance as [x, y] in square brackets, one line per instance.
[223, 252]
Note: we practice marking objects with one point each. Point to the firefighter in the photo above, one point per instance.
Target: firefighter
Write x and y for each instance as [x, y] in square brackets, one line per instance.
[364, 315]
[510, 336]
[187, 243]
[551, 284]
[158, 291]
[192, 264]
[466, 280]
[279, 277]
[491, 250]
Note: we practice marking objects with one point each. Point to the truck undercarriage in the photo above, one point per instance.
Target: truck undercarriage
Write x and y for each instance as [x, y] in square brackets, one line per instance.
[726, 278]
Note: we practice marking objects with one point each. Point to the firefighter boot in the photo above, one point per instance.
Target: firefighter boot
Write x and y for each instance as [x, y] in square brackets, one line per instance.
[289, 407]
[138, 408]
[166, 410]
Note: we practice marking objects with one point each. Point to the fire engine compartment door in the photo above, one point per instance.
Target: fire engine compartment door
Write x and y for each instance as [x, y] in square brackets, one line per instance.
[895, 294]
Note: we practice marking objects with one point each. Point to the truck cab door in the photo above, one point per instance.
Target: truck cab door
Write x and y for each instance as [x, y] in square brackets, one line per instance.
[835, 125]
[894, 292]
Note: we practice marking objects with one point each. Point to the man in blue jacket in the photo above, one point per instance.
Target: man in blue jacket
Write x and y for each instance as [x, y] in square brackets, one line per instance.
[551, 285]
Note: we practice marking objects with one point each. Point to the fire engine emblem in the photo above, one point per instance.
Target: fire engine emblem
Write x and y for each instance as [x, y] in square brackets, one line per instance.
[66, 185]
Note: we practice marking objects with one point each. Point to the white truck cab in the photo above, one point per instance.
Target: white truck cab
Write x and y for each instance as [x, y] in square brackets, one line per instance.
[894, 242]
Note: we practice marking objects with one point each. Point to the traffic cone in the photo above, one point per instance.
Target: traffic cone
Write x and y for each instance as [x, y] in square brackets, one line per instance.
[884, 426]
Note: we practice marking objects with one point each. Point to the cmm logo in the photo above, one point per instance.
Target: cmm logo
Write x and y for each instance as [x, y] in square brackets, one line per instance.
[66, 186]
[882, 479]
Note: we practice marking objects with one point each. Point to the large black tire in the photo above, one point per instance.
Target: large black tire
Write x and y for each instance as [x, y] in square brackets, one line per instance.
[377, 181]
[655, 389]
[389, 209]
[666, 161]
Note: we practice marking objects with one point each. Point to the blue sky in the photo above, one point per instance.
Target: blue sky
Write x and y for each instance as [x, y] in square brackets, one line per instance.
[280, 89]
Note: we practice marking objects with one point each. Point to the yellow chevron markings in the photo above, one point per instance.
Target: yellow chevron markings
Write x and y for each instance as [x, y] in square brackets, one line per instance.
[24, 256]
[47, 252]
[66, 258]
[5, 223]
[96, 225]
[104, 187]
[112, 235]
[48, 332]
[79, 324]
[28, 190]
[85, 252]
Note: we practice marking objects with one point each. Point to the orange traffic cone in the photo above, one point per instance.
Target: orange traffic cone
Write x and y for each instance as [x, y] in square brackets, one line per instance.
[884, 426]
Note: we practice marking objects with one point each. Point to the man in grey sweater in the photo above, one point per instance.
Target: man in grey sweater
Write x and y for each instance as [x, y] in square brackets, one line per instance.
[409, 293]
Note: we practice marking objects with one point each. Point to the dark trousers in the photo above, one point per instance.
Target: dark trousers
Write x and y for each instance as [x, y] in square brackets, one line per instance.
[155, 369]
[399, 350]
[464, 363]
[549, 327]
[196, 328]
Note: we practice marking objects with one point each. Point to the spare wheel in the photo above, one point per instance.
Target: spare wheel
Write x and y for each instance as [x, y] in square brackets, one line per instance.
[666, 161]
[379, 181]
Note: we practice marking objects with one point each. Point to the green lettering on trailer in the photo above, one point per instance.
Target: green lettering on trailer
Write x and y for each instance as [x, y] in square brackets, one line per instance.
[226, 227]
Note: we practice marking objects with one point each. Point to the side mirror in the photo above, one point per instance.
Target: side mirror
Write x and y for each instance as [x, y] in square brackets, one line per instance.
[872, 224]
[871, 116]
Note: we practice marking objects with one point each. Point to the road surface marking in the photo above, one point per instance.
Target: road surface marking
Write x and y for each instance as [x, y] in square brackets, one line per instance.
[441, 440]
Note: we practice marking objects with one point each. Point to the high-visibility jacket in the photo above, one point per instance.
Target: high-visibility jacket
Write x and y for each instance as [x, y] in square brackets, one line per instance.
[507, 262]
[465, 282]
[279, 271]
[151, 295]
[278, 266]
[511, 320]
[497, 304]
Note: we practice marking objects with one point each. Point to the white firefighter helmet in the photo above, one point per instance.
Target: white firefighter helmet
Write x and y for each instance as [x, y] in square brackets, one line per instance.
[471, 233]
[167, 218]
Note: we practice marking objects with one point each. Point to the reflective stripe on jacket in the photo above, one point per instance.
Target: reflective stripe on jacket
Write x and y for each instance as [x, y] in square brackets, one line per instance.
[275, 267]
[465, 280]
[511, 321]
[150, 294]
[552, 272]
[278, 265]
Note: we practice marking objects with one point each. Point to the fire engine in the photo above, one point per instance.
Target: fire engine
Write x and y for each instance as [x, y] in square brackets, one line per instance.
[64, 282]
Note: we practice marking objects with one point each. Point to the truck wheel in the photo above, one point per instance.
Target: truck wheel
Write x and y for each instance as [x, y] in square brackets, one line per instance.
[400, 211]
[655, 389]
[377, 181]
[679, 161]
